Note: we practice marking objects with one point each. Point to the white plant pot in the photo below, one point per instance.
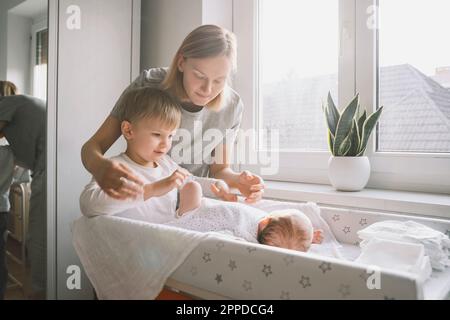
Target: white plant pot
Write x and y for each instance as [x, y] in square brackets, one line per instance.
[348, 173]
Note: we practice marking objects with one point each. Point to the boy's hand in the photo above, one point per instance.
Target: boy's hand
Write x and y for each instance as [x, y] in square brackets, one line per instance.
[221, 190]
[165, 185]
[317, 236]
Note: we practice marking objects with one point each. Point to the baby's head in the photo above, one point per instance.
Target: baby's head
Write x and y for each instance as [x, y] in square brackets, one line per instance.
[290, 229]
[149, 119]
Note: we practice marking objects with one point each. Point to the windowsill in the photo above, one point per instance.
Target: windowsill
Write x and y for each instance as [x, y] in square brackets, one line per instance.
[424, 204]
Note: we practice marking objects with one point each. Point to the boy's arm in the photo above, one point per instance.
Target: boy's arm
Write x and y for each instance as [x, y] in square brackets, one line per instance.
[94, 202]
[208, 183]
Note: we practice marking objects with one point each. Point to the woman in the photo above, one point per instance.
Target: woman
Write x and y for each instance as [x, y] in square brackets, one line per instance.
[22, 123]
[198, 77]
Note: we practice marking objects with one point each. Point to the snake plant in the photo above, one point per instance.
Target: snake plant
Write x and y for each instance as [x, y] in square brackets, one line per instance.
[348, 133]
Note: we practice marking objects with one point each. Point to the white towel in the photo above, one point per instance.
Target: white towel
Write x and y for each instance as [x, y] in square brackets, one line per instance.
[401, 256]
[128, 259]
[436, 244]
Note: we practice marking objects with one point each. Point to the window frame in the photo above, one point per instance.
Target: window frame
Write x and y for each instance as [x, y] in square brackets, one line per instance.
[358, 56]
[38, 25]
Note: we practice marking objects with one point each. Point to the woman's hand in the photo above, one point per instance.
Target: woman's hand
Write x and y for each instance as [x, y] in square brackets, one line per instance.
[251, 186]
[118, 180]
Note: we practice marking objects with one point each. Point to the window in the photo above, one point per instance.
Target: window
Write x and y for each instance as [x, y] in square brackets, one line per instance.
[414, 76]
[39, 61]
[292, 52]
[292, 80]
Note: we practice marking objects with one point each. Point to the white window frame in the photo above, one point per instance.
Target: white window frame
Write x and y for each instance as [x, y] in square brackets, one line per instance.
[39, 24]
[425, 172]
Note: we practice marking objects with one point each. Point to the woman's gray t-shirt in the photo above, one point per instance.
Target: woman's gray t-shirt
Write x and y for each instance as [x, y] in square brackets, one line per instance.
[25, 129]
[200, 132]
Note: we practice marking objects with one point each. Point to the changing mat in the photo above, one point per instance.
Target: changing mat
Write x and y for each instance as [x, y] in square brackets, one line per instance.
[128, 259]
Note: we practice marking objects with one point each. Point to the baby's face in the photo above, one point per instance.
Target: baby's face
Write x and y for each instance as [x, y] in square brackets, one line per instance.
[150, 139]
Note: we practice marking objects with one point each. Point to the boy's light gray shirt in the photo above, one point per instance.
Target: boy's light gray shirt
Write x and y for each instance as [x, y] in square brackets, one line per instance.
[200, 132]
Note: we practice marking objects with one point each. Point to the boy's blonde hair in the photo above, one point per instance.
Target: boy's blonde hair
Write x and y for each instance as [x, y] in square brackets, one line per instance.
[287, 229]
[7, 88]
[204, 42]
[146, 102]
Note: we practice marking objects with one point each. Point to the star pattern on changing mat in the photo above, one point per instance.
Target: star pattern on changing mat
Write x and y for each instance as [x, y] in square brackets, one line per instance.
[218, 278]
[365, 276]
[250, 249]
[285, 295]
[346, 229]
[206, 257]
[232, 265]
[267, 270]
[344, 290]
[363, 222]
[247, 285]
[288, 260]
[336, 217]
[194, 271]
[325, 266]
[305, 282]
[220, 245]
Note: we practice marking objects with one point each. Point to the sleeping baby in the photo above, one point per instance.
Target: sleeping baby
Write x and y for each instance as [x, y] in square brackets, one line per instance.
[289, 228]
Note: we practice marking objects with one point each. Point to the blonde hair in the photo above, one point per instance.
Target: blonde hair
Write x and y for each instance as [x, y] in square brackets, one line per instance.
[147, 102]
[286, 230]
[203, 42]
[7, 88]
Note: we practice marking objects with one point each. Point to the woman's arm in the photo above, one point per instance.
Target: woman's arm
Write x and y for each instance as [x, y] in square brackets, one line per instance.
[106, 172]
[250, 185]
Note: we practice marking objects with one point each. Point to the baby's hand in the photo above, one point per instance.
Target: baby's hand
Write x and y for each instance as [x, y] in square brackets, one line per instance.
[317, 236]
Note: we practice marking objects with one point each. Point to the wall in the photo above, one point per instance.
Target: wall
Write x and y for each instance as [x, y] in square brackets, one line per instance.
[5, 5]
[18, 49]
[165, 23]
[94, 67]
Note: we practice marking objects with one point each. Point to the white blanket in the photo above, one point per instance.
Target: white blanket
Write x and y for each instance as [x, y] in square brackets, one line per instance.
[128, 259]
